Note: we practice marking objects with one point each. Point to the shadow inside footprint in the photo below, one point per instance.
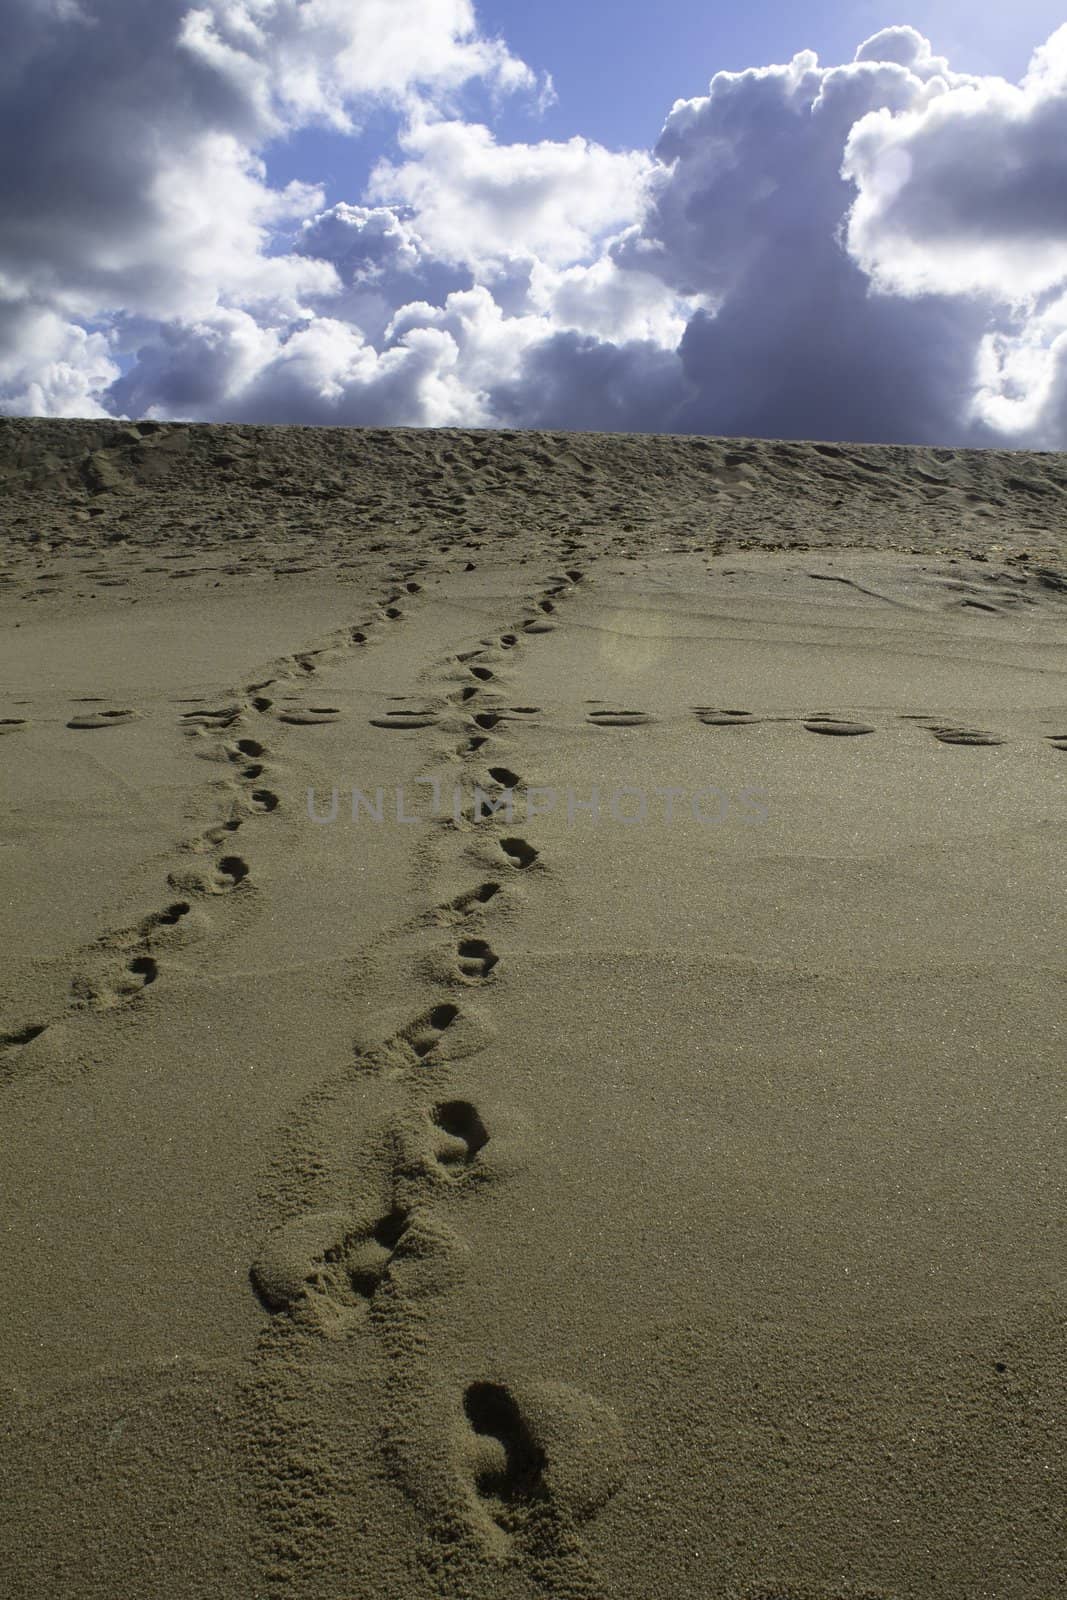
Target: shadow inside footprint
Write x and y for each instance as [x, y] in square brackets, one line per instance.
[312, 716]
[405, 719]
[102, 719]
[465, 1131]
[518, 852]
[725, 718]
[823, 722]
[974, 736]
[424, 1034]
[476, 958]
[618, 719]
[511, 1470]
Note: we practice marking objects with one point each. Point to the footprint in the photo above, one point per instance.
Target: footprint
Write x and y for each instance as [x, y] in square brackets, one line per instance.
[310, 717]
[424, 1035]
[949, 735]
[462, 1133]
[727, 718]
[507, 640]
[518, 852]
[144, 969]
[405, 719]
[505, 777]
[525, 711]
[618, 719]
[324, 1263]
[476, 959]
[487, 719]
[222, 718]
[22, 1036]
[247, 747]
[11, 724]
[264, 800]
[483, 674]
[823, 722]
[538, 626]
[474, 897]
[102, 719]
[169, 917]
[261, 703]
[232, 870]
[508, 1462]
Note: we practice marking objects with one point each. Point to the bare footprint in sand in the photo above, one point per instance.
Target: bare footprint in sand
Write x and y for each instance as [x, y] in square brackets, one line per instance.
[423, 1035]
[971, 736]
[426, 718]
[839, 727]
[715, 717]
[309, 716]
[459, 1133]
[476, 959]
[102, 719]
[618, 719]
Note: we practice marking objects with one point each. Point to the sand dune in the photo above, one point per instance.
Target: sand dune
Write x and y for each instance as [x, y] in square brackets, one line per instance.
[531, 1042]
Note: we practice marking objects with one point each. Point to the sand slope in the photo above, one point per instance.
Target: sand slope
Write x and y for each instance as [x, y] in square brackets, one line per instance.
[620, 1154]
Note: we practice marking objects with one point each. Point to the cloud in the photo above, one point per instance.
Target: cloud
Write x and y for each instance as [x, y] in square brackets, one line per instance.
[964, 192]
[870, 250]
[50, 367]
[479, 202]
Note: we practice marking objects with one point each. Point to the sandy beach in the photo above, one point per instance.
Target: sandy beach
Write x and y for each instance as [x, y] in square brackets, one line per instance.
[532, 1024]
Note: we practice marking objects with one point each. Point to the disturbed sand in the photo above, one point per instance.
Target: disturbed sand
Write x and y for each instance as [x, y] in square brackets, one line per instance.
[619, 1154]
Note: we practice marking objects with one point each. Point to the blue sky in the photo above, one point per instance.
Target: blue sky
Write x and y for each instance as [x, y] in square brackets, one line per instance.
[370, 212]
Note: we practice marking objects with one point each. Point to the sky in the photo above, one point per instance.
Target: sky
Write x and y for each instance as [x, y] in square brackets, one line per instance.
[825, 221]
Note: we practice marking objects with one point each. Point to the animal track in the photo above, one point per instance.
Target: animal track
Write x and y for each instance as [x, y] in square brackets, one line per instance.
[823, 722]
[476, 959]
[102, 719]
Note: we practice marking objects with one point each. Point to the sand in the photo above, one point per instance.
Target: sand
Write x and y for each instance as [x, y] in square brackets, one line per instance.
[532, 1022]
